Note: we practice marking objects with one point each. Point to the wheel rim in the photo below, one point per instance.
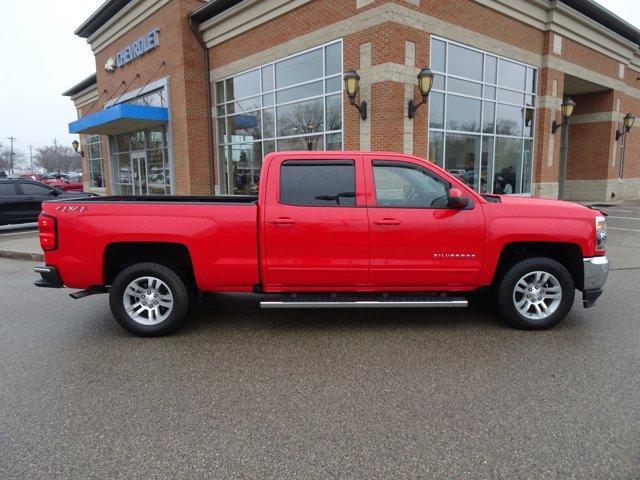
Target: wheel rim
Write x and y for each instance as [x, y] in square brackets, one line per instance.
[537, 295]
[148, 300]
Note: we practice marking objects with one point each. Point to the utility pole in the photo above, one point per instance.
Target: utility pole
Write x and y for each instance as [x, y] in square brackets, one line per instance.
[11, 153]
[55, 145]
[31, 157]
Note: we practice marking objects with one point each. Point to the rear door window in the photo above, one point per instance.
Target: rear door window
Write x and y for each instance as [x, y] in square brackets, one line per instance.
[318, 183]
[34, 189]
[7, 189]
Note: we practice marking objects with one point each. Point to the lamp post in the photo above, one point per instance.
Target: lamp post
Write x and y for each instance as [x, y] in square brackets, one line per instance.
[628, 121]
[425, 82]
[351, 87]
[566, 108]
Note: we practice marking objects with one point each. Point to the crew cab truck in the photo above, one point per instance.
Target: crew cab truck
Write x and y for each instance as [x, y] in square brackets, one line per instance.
[328, 230]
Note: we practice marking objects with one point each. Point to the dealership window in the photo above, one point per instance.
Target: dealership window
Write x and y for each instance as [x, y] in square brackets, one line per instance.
[140, 163]
[291, 104]
[94, 160]
[481, 117]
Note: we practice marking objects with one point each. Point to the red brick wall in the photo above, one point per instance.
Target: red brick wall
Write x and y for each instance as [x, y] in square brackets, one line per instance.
[185, 67]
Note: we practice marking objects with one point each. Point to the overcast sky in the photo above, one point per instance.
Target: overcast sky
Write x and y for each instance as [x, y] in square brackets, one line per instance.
[41, 58]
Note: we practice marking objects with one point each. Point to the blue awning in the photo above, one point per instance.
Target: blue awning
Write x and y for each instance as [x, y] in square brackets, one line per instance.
[120, 118]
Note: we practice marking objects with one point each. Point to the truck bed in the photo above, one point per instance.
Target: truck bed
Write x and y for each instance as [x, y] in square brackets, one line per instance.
[219, 233]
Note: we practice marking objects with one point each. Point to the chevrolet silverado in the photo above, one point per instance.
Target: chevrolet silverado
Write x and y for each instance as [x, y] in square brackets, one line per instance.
[328, 230]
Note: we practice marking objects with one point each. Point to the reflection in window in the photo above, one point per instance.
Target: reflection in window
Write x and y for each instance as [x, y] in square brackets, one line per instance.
[404, 186]
[436, 147]
[328, 185]
[463, 114]
[506, 177]
[482, 117]
[462, 157]
[291, 104]
[140, 163]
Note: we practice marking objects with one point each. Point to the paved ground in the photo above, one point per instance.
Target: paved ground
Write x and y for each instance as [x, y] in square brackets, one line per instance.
[243, 393]
[20, 241]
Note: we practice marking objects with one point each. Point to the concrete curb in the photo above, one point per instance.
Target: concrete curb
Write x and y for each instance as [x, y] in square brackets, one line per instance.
[21, 255]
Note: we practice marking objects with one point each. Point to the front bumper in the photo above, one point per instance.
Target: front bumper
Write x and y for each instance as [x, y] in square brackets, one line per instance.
[50, 277]
[596, 271]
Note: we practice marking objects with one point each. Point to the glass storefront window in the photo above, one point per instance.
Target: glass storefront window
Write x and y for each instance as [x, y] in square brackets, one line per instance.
[482, 117]
[463, 157]
[291, 104]
[94, 160]
[152, 99]
[140, 162]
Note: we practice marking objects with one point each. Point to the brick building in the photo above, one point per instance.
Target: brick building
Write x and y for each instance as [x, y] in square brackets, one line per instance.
[189, 95]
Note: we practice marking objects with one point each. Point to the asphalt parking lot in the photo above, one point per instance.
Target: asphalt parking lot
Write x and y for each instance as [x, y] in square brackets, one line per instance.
[244, 393]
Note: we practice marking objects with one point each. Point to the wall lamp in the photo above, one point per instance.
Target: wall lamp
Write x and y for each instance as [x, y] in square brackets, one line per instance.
[628, 121]
[567, 110]
[425, 82]
[76, 147]
[352, 86]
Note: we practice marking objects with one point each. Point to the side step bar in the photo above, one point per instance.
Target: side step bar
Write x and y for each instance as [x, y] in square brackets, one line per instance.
[433, 302]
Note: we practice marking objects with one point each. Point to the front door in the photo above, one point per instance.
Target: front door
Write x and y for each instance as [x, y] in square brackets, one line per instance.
[416, 241]
[139, 169]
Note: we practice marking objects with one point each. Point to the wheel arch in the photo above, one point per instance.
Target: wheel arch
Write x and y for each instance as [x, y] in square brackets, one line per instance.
[120, 255]
[568, 254]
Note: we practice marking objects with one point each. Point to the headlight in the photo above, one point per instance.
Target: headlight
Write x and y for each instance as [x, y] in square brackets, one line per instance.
[601, 233]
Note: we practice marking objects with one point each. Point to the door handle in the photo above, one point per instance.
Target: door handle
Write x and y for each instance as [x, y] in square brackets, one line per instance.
[28, 198]
[283, 221]
[387, 221]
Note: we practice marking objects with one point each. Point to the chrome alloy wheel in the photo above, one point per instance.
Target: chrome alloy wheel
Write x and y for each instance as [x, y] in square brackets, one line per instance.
[537, 295]
[148, 300]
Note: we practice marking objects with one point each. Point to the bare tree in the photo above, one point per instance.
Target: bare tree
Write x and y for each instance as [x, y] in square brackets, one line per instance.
[11, 161]
[57, 159]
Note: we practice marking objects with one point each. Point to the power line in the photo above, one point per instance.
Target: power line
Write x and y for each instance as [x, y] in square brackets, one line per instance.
[55, 145]
[11, 153]
[31, 156]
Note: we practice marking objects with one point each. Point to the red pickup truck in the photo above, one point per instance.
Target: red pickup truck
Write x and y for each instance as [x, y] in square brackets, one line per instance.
[328, 230]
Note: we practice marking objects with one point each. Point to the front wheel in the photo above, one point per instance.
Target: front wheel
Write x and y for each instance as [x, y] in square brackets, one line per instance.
[149, 299]
[536, 293]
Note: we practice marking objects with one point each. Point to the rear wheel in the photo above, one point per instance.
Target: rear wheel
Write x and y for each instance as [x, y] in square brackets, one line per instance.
[536, 293]
[149, 299]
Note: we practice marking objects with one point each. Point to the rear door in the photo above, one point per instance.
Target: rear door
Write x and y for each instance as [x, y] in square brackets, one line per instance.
[10, 202]
[315, 226]
[416, 240]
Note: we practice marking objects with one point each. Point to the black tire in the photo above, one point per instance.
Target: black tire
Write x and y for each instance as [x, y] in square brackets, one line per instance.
[174, 283]
[514, 273]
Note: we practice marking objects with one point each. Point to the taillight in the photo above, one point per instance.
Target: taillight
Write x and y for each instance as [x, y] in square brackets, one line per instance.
[48, 232]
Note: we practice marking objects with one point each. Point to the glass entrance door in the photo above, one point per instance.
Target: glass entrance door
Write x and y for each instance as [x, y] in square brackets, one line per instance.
[140, 162]
[139, 169]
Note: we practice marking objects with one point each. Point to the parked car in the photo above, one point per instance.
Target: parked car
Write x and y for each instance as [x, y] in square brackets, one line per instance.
[21, 199]
[328, 230]
[66, 183]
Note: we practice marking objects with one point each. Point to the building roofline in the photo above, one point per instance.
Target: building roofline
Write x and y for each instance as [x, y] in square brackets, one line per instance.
[101, 16]
[211, 9]
[606, 18]
[83, 85]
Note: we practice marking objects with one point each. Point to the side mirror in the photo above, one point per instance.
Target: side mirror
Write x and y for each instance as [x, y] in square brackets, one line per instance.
[54, 192]
[456, 199]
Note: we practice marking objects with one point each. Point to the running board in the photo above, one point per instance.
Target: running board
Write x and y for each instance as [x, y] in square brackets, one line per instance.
[434, 302]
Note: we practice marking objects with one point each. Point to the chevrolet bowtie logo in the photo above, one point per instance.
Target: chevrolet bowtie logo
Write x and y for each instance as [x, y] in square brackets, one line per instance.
[110, 66]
